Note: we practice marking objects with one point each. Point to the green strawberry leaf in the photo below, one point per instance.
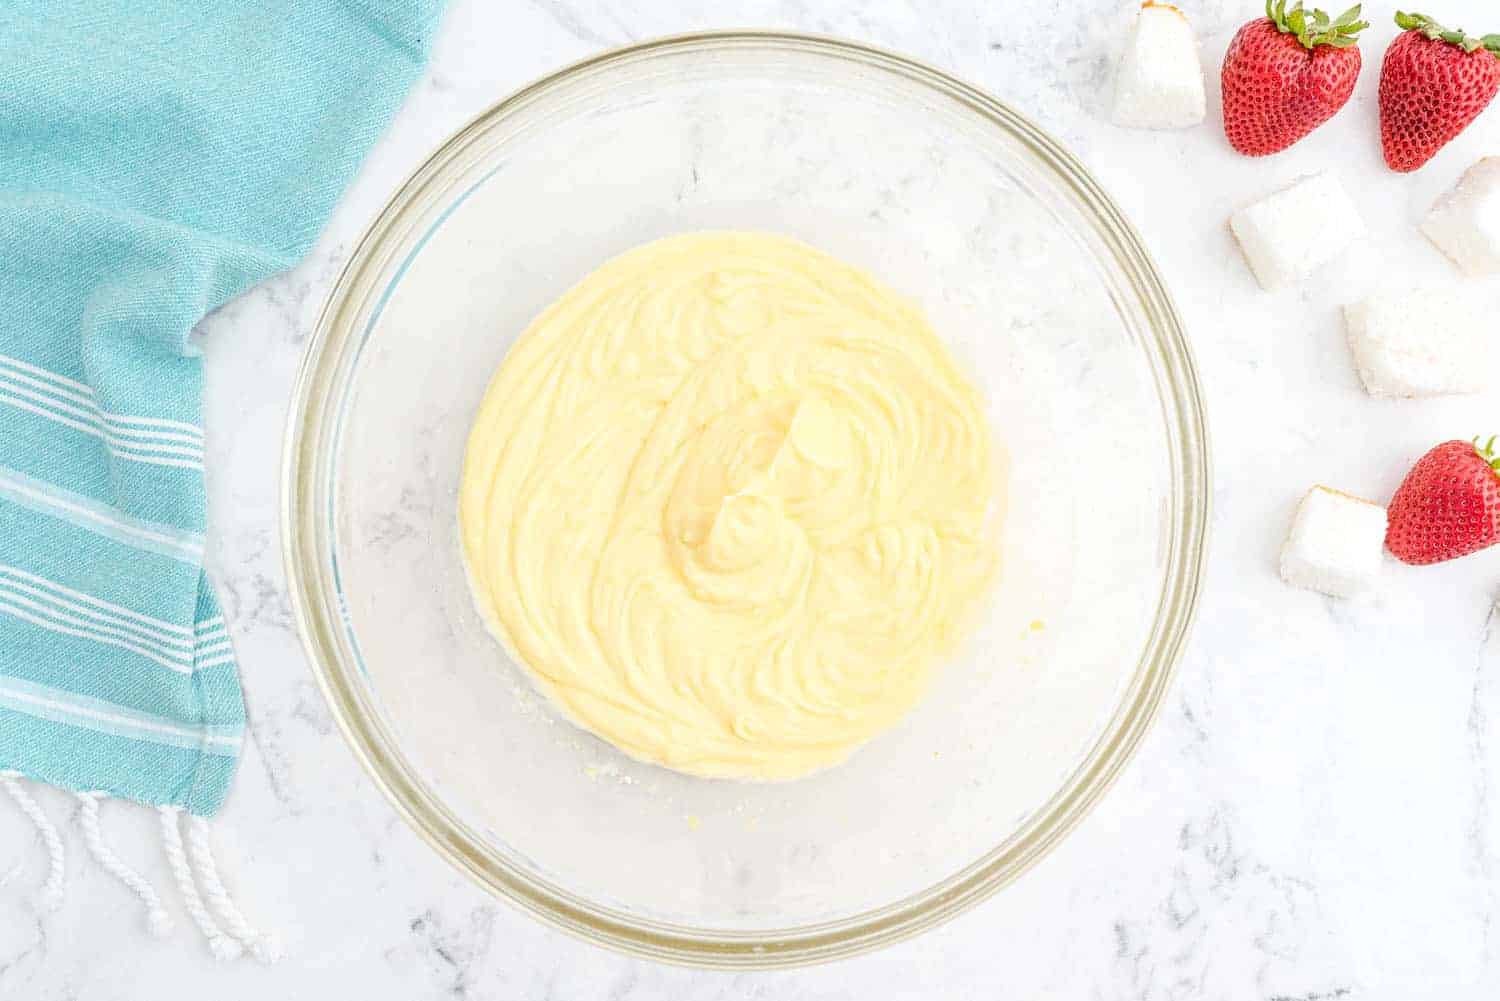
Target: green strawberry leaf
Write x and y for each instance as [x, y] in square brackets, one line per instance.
[1313, 28]
[1411, 22]
[1438, 33]
[1487, 452]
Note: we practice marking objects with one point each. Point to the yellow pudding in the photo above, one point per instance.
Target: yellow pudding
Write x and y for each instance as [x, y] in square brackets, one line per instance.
[730, 501]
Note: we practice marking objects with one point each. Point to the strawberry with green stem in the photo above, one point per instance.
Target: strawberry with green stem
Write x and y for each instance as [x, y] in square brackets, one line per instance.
[1433, 83]
[1287, 73]
[1449, 504]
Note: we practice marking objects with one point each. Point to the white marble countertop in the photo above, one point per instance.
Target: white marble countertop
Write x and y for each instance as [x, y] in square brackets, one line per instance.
[1315, 815]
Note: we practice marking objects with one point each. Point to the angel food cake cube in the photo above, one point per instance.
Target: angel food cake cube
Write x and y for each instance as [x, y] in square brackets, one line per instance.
[1465, 223]
[1290, 234]
[1336, 545]
[1159, 84]
[1426, 341]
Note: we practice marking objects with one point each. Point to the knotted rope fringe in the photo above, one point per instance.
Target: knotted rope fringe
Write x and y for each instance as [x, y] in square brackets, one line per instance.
[262, 946]
[222, 946]
[52, 889]
[192, 863]
[158, 922]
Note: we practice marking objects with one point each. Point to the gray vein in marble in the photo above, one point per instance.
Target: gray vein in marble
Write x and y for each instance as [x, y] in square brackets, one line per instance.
[35, 948]
[312, 710]
[265, 735]
[255, 601]
[452, 953]
[1170, 955]
[1200, 734]
[576, 23]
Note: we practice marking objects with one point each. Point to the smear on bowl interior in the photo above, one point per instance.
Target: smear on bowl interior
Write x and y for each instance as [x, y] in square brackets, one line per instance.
[730, 501]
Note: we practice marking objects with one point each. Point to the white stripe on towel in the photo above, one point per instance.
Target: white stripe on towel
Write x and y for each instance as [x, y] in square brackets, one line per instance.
[106, 613]
[79, 392]
[107, 633]
[96, 516]
[11, 606]
[61, 609]
[61, 706]
[115, 450]
[163, 441]
[161, 625]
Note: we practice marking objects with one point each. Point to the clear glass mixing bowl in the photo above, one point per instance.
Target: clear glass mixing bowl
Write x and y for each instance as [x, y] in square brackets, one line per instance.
[1041, 289]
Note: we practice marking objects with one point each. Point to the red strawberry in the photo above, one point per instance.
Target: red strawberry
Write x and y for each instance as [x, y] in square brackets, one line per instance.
[1448, 506]
[1287, 73]
[1433, 83]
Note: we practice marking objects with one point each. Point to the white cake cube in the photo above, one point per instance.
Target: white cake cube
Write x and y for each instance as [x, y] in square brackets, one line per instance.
[1337, 544]
[1292, 233]
[1160, 81]
[1465, 223]
[1423, 341]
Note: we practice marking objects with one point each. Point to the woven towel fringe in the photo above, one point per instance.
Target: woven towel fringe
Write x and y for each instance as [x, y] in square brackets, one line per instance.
[222, 946]
[52, 889]
[196, 859]
[264, 947]
[158, 922]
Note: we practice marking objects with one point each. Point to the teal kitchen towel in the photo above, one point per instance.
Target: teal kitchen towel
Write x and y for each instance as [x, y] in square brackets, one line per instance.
[156, 159]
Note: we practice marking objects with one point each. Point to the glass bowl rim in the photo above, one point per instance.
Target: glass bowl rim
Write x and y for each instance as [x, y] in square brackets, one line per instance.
[310, 439]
